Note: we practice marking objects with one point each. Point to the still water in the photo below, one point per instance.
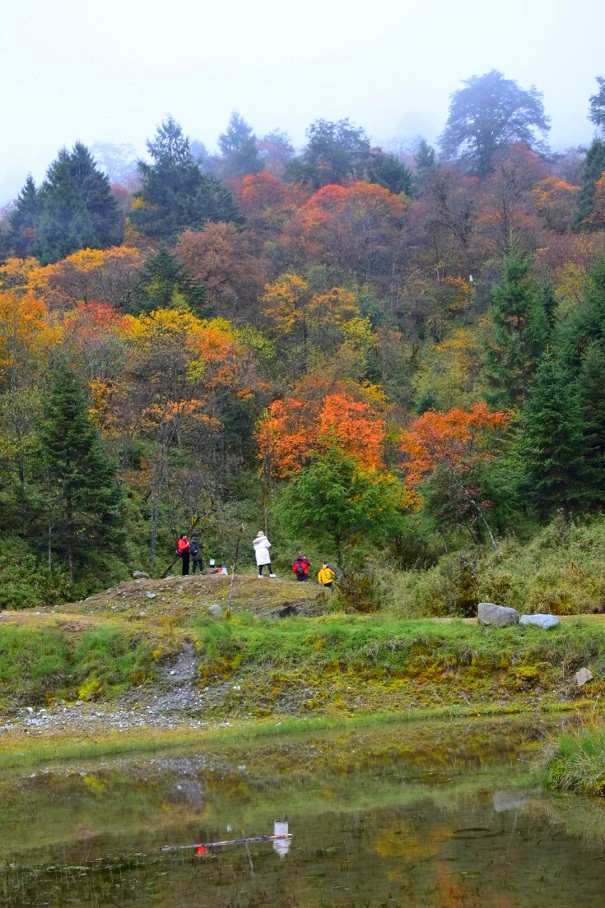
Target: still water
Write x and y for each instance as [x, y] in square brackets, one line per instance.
[425, 814]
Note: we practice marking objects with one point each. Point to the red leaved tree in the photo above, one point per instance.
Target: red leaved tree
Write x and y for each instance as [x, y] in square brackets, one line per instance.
[443, 456]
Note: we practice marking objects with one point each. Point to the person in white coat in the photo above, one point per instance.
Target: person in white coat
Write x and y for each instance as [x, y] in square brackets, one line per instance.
[261, 550]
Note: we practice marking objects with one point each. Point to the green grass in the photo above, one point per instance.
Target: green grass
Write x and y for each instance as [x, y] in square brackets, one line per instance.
[41, 663]
[351, 664]
[577, 763]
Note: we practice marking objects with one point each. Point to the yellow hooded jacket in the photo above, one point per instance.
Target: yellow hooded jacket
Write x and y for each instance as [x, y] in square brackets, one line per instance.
[326, 575]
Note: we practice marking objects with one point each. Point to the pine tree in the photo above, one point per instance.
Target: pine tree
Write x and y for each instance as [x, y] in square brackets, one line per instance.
[77, 209]
[163, 277]
[553, 444]
[175, 195]
[586, 324]
[82, 494]
[594, 165]
[239, 148]
[519, 332]
[591, 396]
[23, 220]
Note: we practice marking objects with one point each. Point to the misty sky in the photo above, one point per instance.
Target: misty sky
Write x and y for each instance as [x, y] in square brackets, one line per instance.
[110, 71]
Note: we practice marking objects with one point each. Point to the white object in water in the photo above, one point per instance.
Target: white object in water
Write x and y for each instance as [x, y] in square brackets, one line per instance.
[281, 846]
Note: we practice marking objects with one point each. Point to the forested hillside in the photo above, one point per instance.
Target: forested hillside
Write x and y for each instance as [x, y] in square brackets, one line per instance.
[385, 359]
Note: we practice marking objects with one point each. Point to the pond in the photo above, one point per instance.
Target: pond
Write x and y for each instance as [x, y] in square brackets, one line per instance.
[418, 814]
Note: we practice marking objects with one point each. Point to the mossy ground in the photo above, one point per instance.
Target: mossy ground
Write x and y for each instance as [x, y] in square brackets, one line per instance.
[254, 666]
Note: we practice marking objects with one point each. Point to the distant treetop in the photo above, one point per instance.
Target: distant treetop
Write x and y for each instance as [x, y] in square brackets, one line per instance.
[490, 113]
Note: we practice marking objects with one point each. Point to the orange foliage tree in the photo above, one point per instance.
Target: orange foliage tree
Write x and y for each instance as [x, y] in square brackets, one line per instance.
[358, 229]
[107, 276]
[555, 201]
[444, 453]
[297, 426]
[217, 257]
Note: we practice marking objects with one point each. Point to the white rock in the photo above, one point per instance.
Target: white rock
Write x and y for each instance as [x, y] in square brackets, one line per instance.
[543, 621]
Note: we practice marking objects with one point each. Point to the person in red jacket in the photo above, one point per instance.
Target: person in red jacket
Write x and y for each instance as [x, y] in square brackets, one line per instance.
[182, 549]
[301, 568]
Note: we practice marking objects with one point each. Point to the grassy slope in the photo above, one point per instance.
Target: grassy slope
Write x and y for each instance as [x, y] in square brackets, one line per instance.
[253, 666]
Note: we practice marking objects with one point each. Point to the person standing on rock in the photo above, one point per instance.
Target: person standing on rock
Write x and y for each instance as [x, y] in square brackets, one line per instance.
[195, 552]
[261, 550]
[182, 550]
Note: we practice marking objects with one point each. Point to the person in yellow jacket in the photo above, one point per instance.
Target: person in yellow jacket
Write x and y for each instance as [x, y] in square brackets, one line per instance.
[326, 576]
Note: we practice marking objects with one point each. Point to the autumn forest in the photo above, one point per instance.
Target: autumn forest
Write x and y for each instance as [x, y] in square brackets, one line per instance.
[384, 358]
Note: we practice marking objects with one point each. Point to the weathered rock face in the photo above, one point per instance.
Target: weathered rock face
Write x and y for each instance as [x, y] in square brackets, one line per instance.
[492, 615]
[543, 621]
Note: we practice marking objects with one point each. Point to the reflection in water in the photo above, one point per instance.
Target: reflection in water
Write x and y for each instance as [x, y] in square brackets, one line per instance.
[376, 820]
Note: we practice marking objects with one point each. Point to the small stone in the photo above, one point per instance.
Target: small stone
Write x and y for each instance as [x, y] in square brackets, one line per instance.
[493, 615]
[543, 621]
[140, 574]
[215, 610]
[150, 595]
[583, 676]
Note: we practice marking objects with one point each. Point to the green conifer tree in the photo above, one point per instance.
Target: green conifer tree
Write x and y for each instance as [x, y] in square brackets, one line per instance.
[594, 165]
[518, 335]
[82, 495]
[77, 208]
[586, 323]
[163, 280]
[175, 194]
[553, 443]
[591, 395]
[23, 220]
[239, 148]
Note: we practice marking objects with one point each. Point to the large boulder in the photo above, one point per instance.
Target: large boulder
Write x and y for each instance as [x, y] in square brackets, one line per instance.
[496, 615]
[543, 621]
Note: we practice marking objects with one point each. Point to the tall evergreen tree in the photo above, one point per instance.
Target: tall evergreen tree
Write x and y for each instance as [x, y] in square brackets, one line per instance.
[586, 323]
[77, 208]
[591, 396]
[82, 495]
[519, 332]
[597, 105]
[175, 194]
[239, 149]
[388, 171]
[553, 445]
[24, 219]
[594, 165]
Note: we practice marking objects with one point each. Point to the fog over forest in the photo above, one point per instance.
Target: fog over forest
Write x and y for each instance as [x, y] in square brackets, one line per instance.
[391, 69]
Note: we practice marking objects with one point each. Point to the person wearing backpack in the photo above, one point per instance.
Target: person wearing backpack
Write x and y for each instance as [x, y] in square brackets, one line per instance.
[195, 551]
[301, 568]
[182, 550]
[261, 551]
[327, 576]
